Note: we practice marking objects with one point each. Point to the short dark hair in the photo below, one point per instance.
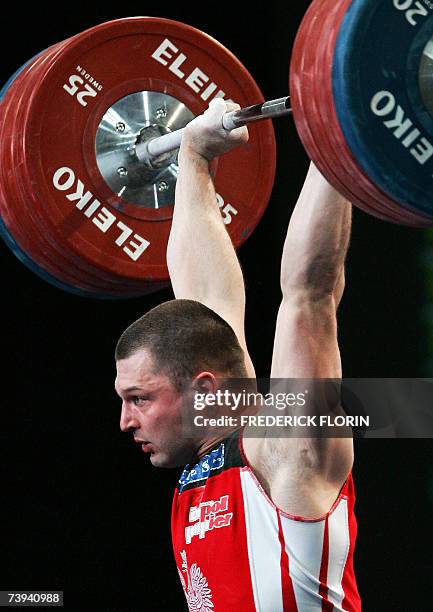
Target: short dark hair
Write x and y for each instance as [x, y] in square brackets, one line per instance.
[184, 337]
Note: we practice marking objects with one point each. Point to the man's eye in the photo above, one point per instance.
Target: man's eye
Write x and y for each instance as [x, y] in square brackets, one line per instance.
[139, 401]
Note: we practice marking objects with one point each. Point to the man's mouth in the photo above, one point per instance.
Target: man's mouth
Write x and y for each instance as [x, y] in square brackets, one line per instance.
[146, 446]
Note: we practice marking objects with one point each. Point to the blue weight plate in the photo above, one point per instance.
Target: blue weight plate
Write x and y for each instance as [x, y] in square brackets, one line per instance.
[382, 74]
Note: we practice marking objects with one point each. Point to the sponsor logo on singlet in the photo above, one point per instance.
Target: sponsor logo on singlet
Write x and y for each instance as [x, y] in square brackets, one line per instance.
[213, 461]
[207, 516]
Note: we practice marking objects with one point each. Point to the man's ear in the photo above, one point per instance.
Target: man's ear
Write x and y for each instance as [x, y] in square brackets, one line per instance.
[205, 382]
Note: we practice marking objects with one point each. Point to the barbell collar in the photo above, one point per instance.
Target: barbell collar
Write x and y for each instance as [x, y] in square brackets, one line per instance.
[257, 112]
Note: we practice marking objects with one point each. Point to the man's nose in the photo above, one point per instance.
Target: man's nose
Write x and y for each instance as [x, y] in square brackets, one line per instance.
[127, 419]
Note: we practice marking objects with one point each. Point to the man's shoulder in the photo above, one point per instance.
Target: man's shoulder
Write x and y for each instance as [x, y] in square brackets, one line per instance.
[290, 481]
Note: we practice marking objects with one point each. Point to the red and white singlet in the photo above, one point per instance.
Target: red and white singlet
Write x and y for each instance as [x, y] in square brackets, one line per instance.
[236, 551]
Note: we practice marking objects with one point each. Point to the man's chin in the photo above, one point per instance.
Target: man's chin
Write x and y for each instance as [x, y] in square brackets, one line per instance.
[160, 459]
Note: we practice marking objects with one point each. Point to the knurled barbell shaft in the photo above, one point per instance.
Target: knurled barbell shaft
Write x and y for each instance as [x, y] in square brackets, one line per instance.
[146, 151]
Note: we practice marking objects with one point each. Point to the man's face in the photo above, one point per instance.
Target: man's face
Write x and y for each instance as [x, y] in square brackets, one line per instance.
[151, 411]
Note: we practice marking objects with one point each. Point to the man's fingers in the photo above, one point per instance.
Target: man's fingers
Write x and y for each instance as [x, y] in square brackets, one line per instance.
[232, 106]
[241, 133]
[207, 134]
[215, 111]
[218, 102]
[219, 107]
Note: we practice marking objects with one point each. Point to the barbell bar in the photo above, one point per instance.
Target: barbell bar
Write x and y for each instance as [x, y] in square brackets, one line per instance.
[149, 151]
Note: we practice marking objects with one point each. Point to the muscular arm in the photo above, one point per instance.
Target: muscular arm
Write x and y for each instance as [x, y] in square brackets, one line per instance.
[312, 283]
[202, 262]
[304, 475]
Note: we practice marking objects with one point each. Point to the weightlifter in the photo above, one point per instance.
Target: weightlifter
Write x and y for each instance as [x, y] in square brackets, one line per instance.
[258, 523]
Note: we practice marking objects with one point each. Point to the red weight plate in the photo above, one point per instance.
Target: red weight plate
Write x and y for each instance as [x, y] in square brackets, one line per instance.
[33, 234]
[318, 115]
[16, 223]
[382, 205]
[29, 233]
[29, 237]
[117, 55]
[20, 222]
[304, 115]
[308, 114]
[373, 200]
[315, 116]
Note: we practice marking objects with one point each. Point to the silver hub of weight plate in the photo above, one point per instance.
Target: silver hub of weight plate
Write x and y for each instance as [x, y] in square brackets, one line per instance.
[134, 119]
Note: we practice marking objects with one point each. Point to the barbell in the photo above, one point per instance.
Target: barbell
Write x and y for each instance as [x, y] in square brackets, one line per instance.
[91, 125]
[152, 152]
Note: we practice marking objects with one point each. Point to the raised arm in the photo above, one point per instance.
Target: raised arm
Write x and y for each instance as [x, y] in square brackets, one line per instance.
[303, 475]
[202, 262]
[312, 283]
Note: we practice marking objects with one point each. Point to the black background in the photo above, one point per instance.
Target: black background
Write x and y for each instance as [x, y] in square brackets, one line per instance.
[81, 509]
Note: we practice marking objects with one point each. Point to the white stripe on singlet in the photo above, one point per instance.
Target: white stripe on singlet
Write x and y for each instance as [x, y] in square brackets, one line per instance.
[339, 544]
[264, 550]
[304, 545]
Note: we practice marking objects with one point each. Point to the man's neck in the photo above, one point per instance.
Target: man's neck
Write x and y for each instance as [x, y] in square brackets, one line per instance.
[209, 443]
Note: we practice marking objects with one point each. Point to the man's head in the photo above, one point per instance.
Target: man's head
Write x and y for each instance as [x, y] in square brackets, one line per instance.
[176, 346]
